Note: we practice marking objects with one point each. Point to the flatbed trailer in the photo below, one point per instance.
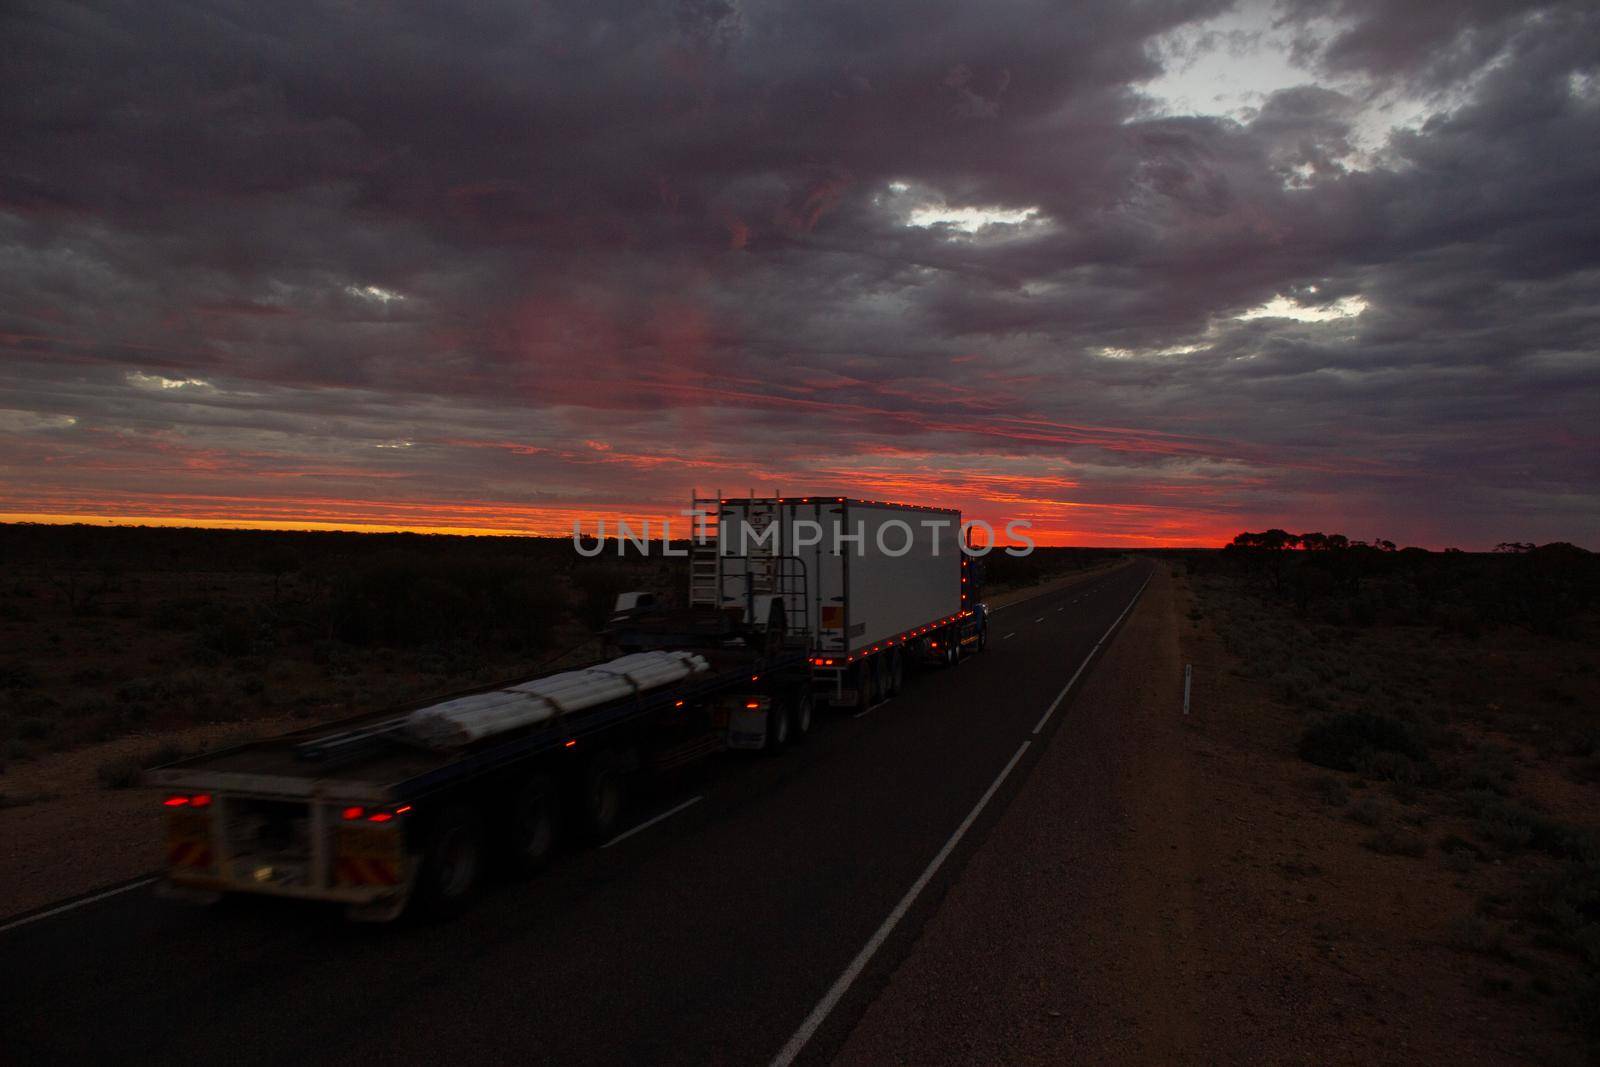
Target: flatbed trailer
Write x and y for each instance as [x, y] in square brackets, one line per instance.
[360, 813]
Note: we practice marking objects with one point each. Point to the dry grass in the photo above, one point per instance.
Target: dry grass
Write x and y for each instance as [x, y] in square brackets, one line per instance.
[1467, 747]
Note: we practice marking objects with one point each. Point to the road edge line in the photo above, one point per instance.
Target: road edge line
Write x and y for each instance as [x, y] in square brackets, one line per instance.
[669, 813]
[78, 903]
[1051, 710]
[836, 992]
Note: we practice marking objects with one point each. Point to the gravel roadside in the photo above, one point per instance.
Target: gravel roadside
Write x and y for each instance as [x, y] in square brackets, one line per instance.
[1061, 939]
[1169, 890]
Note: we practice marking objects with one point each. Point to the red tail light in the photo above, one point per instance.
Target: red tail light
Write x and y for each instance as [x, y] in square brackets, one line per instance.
[175, 802]
[356, 813]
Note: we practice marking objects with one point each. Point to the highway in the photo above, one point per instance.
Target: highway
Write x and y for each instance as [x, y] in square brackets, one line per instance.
[750, 918]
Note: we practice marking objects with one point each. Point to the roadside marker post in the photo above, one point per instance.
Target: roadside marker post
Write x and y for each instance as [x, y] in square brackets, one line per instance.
[1188, 675]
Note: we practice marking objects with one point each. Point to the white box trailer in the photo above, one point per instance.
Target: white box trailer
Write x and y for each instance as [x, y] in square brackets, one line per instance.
[885, 584]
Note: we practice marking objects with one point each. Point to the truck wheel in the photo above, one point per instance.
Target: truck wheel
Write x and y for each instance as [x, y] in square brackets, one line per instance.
[534, 826]
[453, 861]
[603, 796]
[874, 671]
[778, 727]
[952, 650]
[895, 673]
[800, 713]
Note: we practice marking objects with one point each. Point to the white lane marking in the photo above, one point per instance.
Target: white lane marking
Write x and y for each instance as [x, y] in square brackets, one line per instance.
[1048, 592]
[1051, 710]
[669, 813]
[830, 999]
[25, 920]
[1009, 636]
[1062, 608]
[1039, 619]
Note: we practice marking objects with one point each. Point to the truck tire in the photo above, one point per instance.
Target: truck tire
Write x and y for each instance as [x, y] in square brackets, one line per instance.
[779, 728]
[873, 671]
[602, 797]
[952, 649]
[452, 862]
[533, 826]
[801, 708]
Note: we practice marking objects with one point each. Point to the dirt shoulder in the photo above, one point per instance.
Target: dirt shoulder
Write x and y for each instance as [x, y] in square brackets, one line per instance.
[1166, 889]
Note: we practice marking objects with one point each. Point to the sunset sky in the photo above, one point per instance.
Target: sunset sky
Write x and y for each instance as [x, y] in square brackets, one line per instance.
[1141, 273]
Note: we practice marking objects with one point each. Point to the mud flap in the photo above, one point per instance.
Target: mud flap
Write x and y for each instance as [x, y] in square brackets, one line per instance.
[747, 727]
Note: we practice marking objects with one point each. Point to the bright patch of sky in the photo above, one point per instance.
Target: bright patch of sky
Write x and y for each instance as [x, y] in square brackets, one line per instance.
[156, 381]
[1131, 353]
[1584, 85]
[926, 208]
[970, 219]
[1281, 307]
[1230, 64]
[374, 292]
[15, 421]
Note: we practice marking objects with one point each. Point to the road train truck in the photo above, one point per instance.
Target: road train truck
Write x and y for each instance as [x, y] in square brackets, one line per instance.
[412, 806]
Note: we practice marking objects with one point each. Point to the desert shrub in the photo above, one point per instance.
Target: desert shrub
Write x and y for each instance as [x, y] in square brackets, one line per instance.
[18, 676]
[411, 600]
[1390, 841]
[1474, 933]
[1490, 768]
[1393, 767]
[120, 773]
[34, 728]
[1350, 740]
[1567, 905]
[1330, 789]
[1366, 811]
[180, 614]
[169, 752]
[1512, 826]
[232, 634]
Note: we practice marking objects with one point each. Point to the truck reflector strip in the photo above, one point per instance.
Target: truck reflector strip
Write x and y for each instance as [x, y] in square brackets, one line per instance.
[352, 814]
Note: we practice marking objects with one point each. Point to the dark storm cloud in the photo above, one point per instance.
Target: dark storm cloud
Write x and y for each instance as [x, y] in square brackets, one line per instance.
[582, 256]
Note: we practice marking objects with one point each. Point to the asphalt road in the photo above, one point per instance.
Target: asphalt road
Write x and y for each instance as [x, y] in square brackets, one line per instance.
[711, 936]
